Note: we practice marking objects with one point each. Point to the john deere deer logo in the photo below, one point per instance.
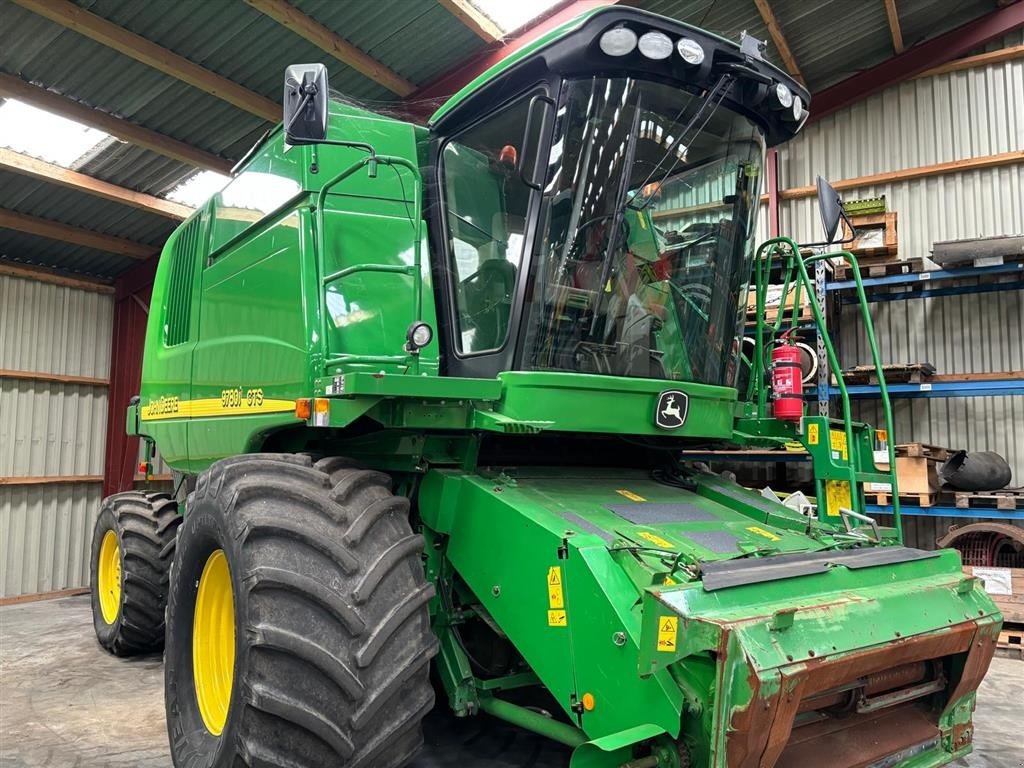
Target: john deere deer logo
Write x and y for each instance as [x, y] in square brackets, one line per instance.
[671, 410]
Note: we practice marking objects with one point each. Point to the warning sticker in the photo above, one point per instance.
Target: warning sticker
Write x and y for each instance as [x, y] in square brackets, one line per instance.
[812, 434]
[837, 441]
[668, 633]
[555, 597]
[837, 494]
[630, 495]
[763, 532]
[557, 619]
[655, 540]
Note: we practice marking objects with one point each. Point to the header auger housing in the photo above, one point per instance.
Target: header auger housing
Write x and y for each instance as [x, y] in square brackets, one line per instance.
[424, 391]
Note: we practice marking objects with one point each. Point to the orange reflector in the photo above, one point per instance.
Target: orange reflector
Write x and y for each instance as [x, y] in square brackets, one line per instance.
[588, 702]
[321, 405]
[302, 408]
[143, 467]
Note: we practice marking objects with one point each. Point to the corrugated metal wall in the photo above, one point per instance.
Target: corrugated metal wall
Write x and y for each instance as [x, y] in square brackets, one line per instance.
[50, 429]
[928, 120]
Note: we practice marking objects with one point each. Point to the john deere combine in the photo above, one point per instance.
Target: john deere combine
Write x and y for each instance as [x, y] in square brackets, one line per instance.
[425, 392]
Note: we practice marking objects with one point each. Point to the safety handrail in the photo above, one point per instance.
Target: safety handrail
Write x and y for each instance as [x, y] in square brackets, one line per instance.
[410, 359]
[796, 261]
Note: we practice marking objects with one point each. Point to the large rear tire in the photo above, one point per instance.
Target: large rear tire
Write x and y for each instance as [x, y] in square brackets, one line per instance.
[298, 630]
[132, 549]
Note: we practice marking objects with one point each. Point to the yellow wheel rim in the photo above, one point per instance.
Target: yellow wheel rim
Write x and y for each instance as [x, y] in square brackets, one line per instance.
[108, 577]
[213, 642]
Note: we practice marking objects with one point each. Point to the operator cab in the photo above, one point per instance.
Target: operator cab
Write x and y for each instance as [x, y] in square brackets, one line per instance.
[594, 201]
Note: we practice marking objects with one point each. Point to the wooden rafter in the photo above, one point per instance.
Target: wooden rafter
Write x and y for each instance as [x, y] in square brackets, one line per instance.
[1012, 53]
[55, 174]
[55, 378]
[76, 235]
[481, 25]
[894, 25]
[96, 28]
[16, 88]
[304, 26]
[43, 275]
[765, 9]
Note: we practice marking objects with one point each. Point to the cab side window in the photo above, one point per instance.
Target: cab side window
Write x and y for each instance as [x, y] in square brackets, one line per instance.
[487, 203]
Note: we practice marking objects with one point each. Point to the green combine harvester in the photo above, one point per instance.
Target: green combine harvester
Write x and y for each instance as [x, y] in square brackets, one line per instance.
[426, 392]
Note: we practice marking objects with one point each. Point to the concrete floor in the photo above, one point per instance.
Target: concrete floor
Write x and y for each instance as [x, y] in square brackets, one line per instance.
[64, 703]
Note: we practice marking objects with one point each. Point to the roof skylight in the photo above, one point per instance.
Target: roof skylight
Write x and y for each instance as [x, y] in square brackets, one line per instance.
[198, 188]
[46, 136]
[512, 16]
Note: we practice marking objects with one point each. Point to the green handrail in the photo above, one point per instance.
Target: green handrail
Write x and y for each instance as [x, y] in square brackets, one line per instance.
[410, 359]
[795, 261]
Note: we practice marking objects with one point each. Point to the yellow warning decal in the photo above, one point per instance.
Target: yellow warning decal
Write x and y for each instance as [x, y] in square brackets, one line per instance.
[557, 619]
[812, 434]
[837, 440]
[656, 540]
[763, 532]
[669, 581]
[837, 494]
[668, 633]
[232, 402]
[630, 495]
[555, 597]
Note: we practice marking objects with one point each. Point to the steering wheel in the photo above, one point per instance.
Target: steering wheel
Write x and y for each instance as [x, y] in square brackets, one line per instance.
[487, 295]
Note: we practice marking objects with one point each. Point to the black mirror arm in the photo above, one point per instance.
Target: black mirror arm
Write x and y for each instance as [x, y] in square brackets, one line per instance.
[844, 241]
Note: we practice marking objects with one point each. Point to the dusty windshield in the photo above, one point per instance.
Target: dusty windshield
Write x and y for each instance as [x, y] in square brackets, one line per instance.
[647, 234]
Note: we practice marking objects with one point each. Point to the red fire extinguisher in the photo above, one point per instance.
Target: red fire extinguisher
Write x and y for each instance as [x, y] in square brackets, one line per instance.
[787, 384]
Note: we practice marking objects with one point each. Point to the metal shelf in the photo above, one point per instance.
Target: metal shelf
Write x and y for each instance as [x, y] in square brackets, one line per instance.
[976, 513]
[986, 388]
[918, 284]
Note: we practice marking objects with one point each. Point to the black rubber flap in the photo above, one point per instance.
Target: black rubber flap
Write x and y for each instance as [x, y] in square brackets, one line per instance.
[735, 573]
[652, 513]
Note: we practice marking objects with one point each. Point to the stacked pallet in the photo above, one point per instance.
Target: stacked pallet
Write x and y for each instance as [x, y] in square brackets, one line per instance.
[916, 475]
[876, 245]
[1006, 588]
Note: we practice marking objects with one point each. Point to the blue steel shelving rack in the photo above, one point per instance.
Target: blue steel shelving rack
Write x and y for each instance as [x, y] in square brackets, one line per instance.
[920, 285]
[923, 285]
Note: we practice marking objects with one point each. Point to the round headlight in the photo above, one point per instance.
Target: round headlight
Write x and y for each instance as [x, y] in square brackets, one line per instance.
[656, 45]
[798, 107]
[419, 335]
[690, 50]
[783, 95]
[618, 41]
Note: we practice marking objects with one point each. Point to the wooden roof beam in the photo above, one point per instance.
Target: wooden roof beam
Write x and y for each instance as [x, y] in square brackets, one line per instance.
[55, 174]
[765, 9]
[106, 33]
[54, 230]
[16, 88]
[894, 25]
[918, 58]
[310, 29]
[52, 277]
[481, 25]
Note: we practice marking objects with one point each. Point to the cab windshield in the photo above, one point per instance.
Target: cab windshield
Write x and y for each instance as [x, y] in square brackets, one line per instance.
[646, 238]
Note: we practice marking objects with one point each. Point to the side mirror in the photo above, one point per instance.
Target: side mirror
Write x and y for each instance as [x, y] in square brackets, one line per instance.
[831, 207]
[305, 103]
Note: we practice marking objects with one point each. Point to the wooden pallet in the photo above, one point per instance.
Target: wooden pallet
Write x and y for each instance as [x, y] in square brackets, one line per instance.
[1002, 500]
[880, 266]
[895, 373]
[917, 499]
[1011, 641]
[772, 313]
[923, 450]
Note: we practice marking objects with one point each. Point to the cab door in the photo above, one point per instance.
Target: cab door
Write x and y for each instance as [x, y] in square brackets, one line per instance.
[490, 202]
